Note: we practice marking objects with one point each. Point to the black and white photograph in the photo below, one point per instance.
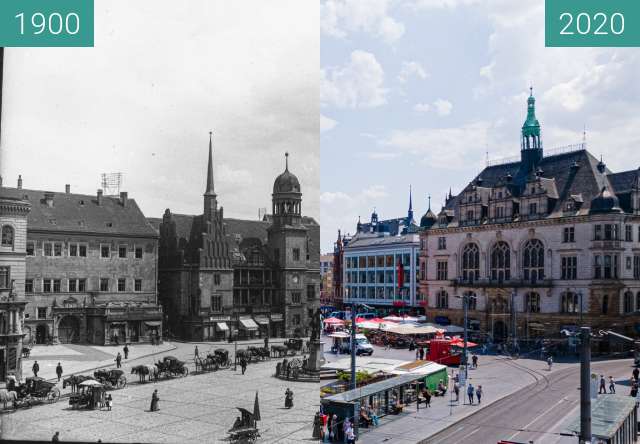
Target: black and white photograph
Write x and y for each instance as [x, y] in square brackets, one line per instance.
[159, 211]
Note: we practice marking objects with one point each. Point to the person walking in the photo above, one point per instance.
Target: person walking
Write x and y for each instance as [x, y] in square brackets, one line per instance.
[634, 389]
[474, 361]
[612, 385]
[266, 342]
[196, 354]
[35, 368]
[109, 400]
[470, 393]
[333, 428]
[422, 353]
[243, 364]
[636, 373]
[288, 398]
[550, 362]
[456, 390]
[427, 397]
[59, 371]
[118, 360]
[479, 393]
[417, 354]
[55, 437]
[345, 426]
[154, 401]
[603, 385]
[126, 351]
[351, 436]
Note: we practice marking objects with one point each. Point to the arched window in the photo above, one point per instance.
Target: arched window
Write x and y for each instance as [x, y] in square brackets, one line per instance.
[442, 299]
[628, 302]
[500, 262]
[7, 236]
[570, 303]
[533, 260]
[471, 262]
[532, 303]
[472, 300]
[605, 304]
[499, 305]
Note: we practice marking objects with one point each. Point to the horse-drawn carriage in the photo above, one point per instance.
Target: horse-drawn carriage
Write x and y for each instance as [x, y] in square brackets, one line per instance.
[244, 429]
[35, 390]
[259, 353]
[172, 366]
[278, 351]
[111, 379]
[213, 361]
[294, 345]
[74, 381]
[89, 394]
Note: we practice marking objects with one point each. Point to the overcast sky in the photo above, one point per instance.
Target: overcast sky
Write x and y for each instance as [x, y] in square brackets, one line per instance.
[417, 91]
[142, 102]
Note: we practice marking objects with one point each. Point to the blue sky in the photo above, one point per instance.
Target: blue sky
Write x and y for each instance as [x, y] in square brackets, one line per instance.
[416, 92]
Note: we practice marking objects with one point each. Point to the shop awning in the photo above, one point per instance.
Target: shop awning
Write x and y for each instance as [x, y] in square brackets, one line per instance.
[153, 323]
[248, 324]
[222, 326]
[276, 317]
[261, 320]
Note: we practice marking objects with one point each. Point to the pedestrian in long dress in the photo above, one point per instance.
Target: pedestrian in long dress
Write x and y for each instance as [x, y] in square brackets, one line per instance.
[288, 398]
[345, 427]
[549, 362]
[109, 402]
[196, 355]
[470, 393]
[55, 437]
[59, 371]
[118, 360]
[154, 401]
[35, 368]
[474, 361]
[479, 393]
[456, 390]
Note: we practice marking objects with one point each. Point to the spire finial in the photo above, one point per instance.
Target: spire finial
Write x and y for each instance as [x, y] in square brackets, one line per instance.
[286, 161]
[584, 133]
[530, 90]
[429, 197]
[410, 199]
[210, 189]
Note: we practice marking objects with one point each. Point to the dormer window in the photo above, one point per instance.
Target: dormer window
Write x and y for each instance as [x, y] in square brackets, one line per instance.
[470, 198]
[569, 206]
[499, 194]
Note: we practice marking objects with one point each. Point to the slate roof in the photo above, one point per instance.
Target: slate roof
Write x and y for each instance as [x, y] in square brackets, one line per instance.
[81, 213]
[391, 226]
[372, 240]
[585, 180]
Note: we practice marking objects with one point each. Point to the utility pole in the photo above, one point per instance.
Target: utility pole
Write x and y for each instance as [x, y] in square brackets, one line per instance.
[353, 384]
[585, 385]
[465, 304]
[514, 334]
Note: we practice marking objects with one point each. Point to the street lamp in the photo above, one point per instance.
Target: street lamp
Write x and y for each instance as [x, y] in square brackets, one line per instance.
[465, 305]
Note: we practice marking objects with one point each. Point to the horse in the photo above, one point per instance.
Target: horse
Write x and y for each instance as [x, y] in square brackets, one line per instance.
[141, 370]
[152, 371]
[8, 396]
[242, 353]
[74, 381]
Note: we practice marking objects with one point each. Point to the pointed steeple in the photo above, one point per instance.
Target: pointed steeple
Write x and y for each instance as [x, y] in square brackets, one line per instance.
[210, 189]
[410, 212]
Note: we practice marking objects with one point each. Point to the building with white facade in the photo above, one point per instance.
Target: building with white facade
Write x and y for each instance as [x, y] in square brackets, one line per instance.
[540, 244]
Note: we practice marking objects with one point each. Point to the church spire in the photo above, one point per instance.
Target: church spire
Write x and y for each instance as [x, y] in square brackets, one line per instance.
[210, 189]
[410, 212]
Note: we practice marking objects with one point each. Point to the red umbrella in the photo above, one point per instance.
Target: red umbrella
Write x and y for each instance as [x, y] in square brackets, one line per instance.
[333, 321]
[459, 342]
[359, 320]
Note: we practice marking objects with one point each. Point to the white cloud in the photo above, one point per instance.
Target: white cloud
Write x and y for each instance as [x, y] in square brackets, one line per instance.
[338, 18]
[442, 147]
[326, 123]
[443, 107]
[411, 69]
[422, 107]
[440, 4]
[358, 84]
[383, 155]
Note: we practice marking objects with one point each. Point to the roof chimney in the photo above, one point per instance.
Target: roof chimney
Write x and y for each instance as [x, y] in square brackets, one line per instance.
[99, 197]
[123, 198]
[48, 198]
[67, 189]
[20, 181]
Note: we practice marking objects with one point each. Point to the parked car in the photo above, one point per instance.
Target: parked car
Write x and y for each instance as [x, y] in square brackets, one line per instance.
[363, 346]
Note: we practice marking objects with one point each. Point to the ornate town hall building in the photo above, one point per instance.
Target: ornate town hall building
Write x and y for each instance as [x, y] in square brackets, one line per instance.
[541, 244]
[222, 277]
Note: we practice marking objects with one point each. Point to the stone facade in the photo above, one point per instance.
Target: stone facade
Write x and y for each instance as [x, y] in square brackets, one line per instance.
[548, 243]
[91, 269]
[13, 230]
[223, 278]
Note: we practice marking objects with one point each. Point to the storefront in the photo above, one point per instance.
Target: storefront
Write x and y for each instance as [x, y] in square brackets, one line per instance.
[277, 325]
[263, 325]
[248, 329]
[222, 331]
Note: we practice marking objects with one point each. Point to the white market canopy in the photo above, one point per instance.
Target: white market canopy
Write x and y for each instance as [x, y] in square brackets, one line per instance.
[410, 329]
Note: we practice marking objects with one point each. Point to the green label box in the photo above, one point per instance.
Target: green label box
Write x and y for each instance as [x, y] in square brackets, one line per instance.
[614, 23]
[46, 23]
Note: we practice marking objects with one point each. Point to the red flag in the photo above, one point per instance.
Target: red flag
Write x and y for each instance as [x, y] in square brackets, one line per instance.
[400, 274]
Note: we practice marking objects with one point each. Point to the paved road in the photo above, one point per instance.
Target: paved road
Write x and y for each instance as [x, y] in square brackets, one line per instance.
[538, 413]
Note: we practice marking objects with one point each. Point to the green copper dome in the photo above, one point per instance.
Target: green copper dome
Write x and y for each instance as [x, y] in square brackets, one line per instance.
[531, 126]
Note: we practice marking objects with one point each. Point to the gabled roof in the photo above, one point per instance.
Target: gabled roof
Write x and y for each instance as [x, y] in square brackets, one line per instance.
[72, 212]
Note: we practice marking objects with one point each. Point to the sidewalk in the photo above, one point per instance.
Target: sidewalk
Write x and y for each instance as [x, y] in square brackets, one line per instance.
[84, 358]
[499, 377]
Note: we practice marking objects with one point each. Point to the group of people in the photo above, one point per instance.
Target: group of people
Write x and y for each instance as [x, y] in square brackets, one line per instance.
[603, 385]
[634, 382]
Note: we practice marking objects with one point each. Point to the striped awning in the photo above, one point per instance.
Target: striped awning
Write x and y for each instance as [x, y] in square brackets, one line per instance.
[261, 320]
[222, 326]
[248, 324]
